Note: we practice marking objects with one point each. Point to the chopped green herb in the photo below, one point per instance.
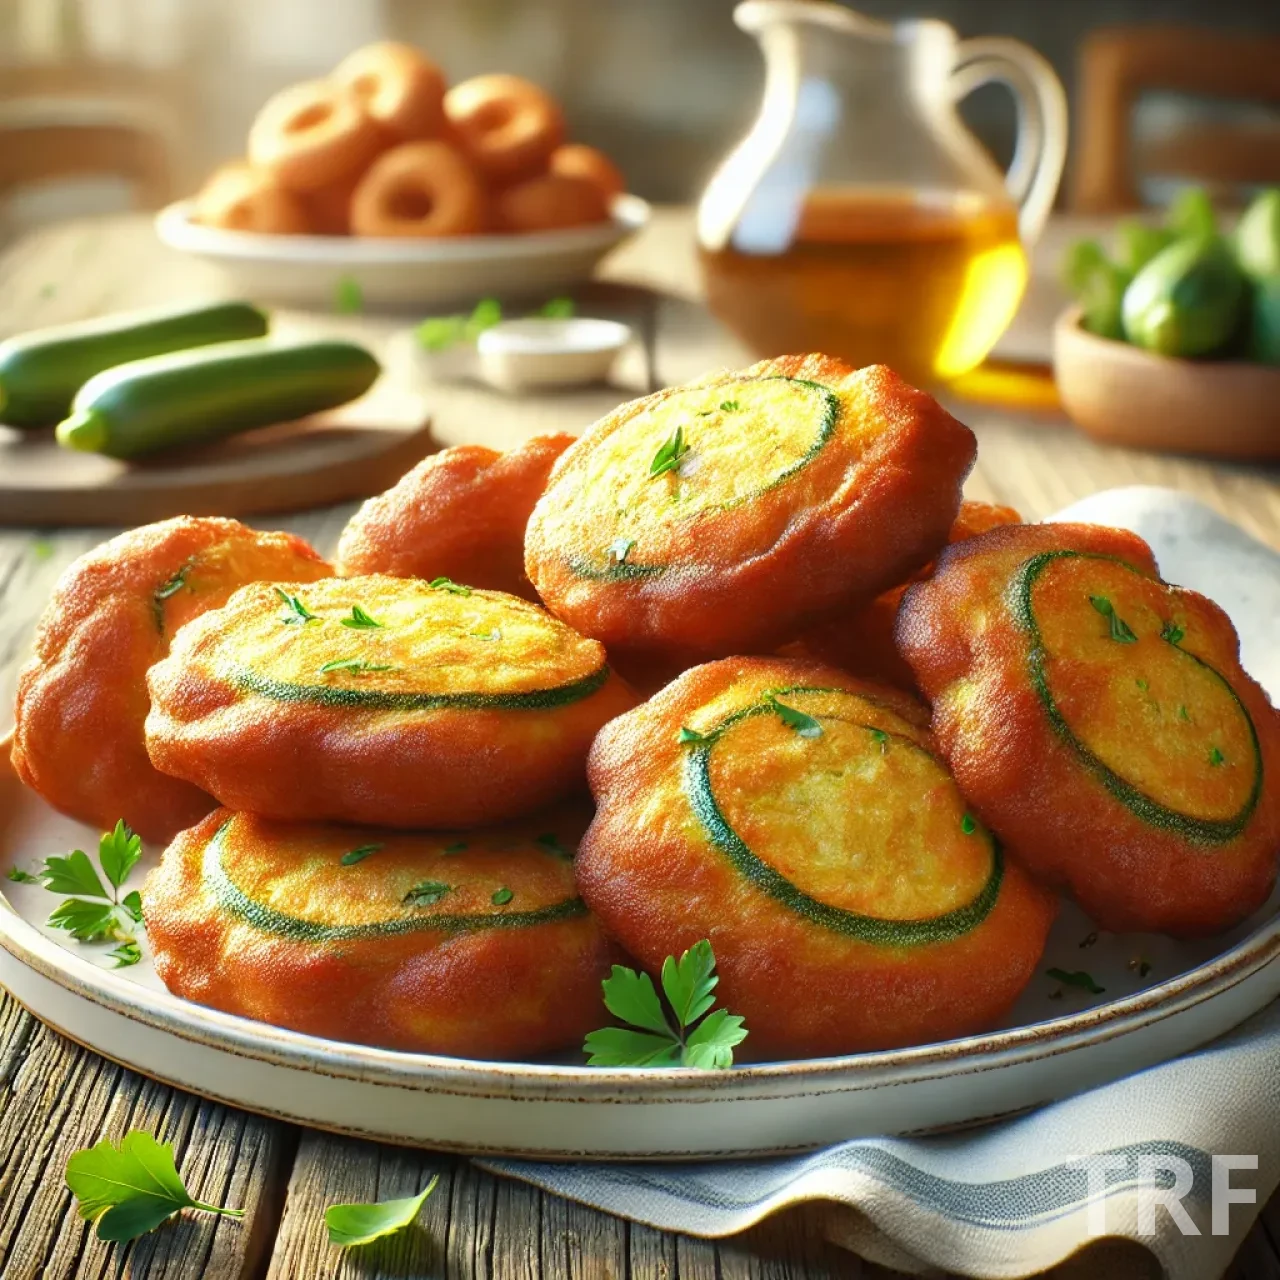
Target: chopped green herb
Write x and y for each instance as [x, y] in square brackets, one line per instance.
[1172, 632]
[492, 635]
[447, 584]
[967, 824]
[690, 735]
[619, 549]
[457, 847]
[551, 842]
[1140, 966]
[130, 1189]
[1078, 979]
[1090, 939]
[41, 549]
[670, 455]
[1182, 712]
[439, 333]
[650, 1039]
[805, 726]
[1142, 684]
[299, 615]
[125, 954]
[1120, 630]
[348, 297]
[729, 406]
[557, 308]
[359, 854]
[1216, 757]
[173, 585]
[357, 666]
[132, 903]
[356, 1224]
[18, 876]
[426, 894]
[360, 621]
[485, 314]
[502, 897]
[881, 739]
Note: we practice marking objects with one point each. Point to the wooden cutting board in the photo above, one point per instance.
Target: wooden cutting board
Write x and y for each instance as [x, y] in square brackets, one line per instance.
[351, 452]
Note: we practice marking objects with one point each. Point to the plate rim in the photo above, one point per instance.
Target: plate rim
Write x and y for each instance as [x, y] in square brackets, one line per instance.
[176, 228]
[437, 1073]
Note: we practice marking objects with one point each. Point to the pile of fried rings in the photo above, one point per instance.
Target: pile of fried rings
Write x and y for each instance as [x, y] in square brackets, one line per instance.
[858, 734]
[382, 147]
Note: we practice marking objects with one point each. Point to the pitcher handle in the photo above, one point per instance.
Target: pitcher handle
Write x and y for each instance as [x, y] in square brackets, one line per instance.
[1041, 149]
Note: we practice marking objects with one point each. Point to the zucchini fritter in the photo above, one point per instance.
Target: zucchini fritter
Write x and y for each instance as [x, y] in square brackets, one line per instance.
[799, 819]
[479, 947]
[863, 643]
[377, 699]
[460, 514]
[727, 515]
[82, 698]
[1100, 722]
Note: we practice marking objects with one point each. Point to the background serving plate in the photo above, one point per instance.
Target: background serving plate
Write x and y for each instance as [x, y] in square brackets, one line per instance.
[1057, 1040]
[307, 271]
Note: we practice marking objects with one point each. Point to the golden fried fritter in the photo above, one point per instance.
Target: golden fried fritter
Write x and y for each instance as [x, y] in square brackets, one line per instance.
[82, 698]
[1101, 724]
[800, 819]
[479, 947]
[862, 643]
[378, 699]
[727, 515]
[459, 514]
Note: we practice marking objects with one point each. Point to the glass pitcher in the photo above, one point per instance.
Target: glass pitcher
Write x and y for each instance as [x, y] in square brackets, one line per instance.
[859, 217]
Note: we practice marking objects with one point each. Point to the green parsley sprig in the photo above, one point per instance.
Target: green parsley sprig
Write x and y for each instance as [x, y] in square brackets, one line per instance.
[1121, 632]
[1078, 979]
[448, 584]
[700, 1037]
[360, 621]
[356, 666]
[92, 912]
[806, 726]
[670, 454]
[299, 615]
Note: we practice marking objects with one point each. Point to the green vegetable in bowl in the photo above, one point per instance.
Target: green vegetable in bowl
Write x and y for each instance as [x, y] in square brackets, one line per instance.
[1138, 242]
[1190, 215]
[1264, 329]
[1257, 237]
[1098, 285]
[1189, 300]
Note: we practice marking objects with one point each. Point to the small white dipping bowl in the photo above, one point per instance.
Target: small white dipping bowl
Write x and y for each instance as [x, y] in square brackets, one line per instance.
[518, 355]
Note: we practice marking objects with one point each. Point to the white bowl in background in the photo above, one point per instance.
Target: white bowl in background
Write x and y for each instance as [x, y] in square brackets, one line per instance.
[518, 355]
[309, 271]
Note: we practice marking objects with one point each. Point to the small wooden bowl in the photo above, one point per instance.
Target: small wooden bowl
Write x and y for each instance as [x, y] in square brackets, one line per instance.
[1123, 395]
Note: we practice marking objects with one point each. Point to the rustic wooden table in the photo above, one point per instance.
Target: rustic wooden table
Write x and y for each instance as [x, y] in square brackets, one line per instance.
[56, 1097]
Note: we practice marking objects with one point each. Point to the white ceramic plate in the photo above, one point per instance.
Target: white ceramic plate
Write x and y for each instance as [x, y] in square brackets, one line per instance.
[307, 271]
[1050, 1047]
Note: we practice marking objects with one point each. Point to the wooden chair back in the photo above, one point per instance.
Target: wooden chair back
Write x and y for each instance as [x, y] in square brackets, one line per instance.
[1118, 64]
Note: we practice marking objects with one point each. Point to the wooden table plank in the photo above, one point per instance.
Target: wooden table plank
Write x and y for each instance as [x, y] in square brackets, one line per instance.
[56, 1097]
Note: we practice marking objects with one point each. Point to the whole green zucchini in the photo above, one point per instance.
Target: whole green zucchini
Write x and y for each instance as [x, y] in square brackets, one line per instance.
[41, 371]
[191, 396]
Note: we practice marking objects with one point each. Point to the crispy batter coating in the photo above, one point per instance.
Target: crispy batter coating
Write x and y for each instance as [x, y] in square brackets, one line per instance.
[422, 942]
[460, 513]
[851, 902]
[862, 643]
[396, 701]
[82, 698]
[728, 515]
[1101, 724]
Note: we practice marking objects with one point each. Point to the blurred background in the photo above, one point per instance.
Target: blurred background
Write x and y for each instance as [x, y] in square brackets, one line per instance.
[664, 86]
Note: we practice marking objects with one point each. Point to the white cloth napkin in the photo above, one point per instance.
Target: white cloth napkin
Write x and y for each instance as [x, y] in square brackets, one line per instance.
[1014, 1198]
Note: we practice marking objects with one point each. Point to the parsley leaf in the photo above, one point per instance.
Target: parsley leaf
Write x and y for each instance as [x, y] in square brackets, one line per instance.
[358, 854]
[881, 738]
[355, 1224]
[72, 874]
[650, 1040]
[502, 897]
[1120, 630]
[427, 893]
[447, 584]
[299, 615]
[729, 406]
[85, 921]
[1078, 979]
[967, 824]
[619, 549]
[348, 297]
[690, 735]
[132, 1188]
[171, 586]
[18, 876]
[360, 620]
[1216, 757]
[125, 954]
[439, 333]
[557, 308]
[670, 455]
[41, 549]
[132, 903]
[1171, 632]
[357, 666]
[805, 726]
[118, 851]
